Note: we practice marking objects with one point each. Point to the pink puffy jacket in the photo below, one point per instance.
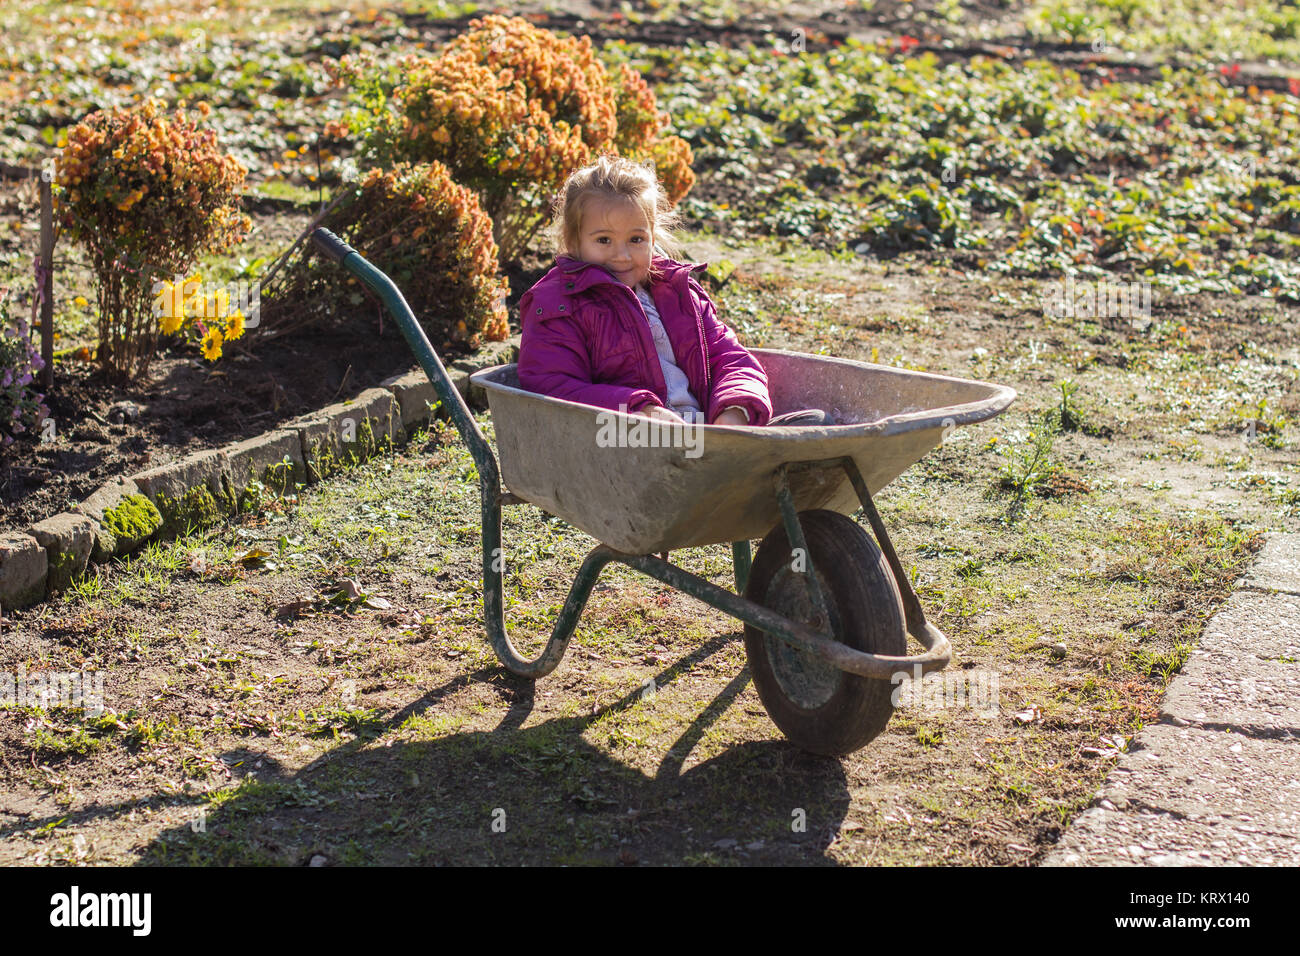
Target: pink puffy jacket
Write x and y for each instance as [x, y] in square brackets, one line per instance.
[586, 339]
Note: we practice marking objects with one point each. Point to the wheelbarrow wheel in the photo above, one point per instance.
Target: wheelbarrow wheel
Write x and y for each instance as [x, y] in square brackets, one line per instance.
[817, 706]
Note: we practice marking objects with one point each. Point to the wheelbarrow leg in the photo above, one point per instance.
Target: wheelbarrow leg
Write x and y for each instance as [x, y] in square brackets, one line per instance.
[741, 560]
[494, 605]
[916, 623]
[939, 650]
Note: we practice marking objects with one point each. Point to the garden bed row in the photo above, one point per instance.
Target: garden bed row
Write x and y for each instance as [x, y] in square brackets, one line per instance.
[199, 489]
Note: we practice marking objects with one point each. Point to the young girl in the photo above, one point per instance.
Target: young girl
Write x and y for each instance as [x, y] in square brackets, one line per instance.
[615, 326]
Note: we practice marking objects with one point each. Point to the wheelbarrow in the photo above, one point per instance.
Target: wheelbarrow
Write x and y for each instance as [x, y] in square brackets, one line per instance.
[826, 609]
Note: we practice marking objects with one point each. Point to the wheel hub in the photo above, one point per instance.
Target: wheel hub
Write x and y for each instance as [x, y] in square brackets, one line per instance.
[804, 678]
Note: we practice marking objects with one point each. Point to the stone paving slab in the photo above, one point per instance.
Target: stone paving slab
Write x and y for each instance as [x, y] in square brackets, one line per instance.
[68, 540]
[1186, 796]
[1245, 673]
[1277, 566]
[208, 469]
[24, 564]
[274, 457]
[314, 445]
[414, 393]
[105, 498]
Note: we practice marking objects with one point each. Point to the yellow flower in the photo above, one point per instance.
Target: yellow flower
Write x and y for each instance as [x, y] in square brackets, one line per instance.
[80, 301]
[211, 345]
[171, 313]
[234, 325]
[171, 323]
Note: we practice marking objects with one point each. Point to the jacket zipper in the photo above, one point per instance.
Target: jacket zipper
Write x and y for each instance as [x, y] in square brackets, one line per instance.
[699, 328]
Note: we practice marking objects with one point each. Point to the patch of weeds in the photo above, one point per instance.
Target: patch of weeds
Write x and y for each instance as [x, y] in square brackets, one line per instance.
[1071, 415]
[929, 736]
[1029, 464]
[1186, 451]
[1162, 666]
[362, 721]
[64, 742]
[167, 557]
[1012, 776]
[425, 727]
[141, 733]
[1289, 499]
[53, 736]
[1178, 553]
[1265, 428]
[1067, 411]
[88, 587]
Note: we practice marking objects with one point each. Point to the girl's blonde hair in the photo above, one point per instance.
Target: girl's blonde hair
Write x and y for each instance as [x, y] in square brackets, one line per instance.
[613, 178]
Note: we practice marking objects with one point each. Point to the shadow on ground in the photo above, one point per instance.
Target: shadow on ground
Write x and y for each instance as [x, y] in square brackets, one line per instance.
[541, 794]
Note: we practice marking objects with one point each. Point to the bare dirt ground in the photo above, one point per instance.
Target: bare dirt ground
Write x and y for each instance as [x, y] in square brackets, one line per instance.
[252, 720]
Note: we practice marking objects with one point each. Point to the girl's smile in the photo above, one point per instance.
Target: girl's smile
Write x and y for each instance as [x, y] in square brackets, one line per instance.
[617, 236]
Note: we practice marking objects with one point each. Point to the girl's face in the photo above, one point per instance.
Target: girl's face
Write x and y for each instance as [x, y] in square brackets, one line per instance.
[616, 235]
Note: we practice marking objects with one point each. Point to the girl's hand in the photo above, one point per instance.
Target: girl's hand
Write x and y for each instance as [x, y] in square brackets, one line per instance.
[660, 413]
[731, 416]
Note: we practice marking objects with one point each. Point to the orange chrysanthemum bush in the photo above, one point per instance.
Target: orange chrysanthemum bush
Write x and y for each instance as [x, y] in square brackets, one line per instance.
[639, 136]
[511, 110]
[145, 194]
[425, 232]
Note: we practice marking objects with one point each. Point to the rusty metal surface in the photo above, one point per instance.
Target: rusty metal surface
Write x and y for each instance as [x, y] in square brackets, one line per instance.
[700, 485]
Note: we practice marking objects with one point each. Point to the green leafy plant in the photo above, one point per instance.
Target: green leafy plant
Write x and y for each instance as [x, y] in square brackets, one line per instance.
[1067, 413]
[1029, 462]
[924, 216]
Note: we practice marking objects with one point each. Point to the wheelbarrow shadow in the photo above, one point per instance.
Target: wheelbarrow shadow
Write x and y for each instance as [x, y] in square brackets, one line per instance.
[541, 794]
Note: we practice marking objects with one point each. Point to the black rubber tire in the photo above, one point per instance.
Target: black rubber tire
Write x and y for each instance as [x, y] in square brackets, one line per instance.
[818, 707]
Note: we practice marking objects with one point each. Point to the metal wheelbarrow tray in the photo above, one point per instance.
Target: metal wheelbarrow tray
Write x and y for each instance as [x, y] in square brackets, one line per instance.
[647, 499]
[826, 608]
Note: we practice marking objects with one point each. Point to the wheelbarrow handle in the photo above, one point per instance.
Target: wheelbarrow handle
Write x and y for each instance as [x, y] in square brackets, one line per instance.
[335, 249]
[330, 246]
[491, 499]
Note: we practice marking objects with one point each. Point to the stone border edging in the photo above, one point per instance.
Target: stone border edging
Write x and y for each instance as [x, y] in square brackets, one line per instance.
[126, 513]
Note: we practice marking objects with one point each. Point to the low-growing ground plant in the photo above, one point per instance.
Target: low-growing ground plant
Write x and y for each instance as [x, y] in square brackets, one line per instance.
[924, 216]
[22, 408]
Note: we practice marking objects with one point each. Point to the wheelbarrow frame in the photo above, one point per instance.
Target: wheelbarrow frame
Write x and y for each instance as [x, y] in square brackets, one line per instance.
[822, 644]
